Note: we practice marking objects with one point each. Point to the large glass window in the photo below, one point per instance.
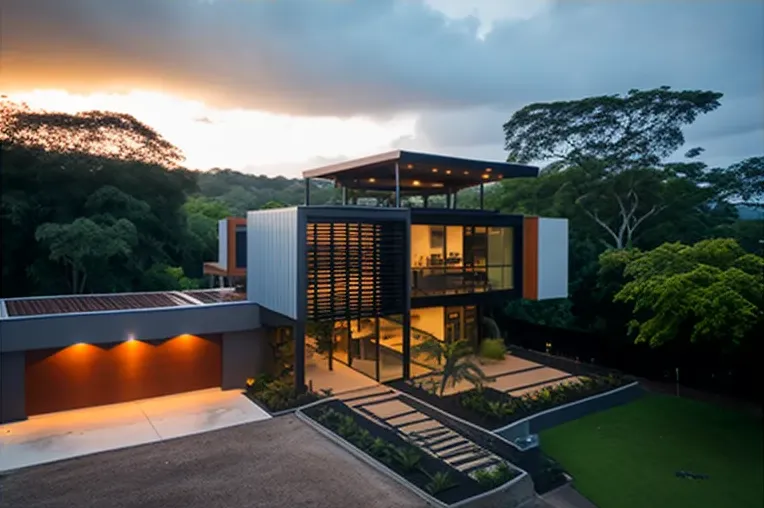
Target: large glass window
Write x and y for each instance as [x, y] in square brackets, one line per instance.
[460, 259]
[391, 348]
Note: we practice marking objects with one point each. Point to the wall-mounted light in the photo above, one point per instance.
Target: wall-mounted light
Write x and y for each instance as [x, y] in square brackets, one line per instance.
[488, 170]
[417, 183]
[409, 166]
[501, 176]
[486, 177]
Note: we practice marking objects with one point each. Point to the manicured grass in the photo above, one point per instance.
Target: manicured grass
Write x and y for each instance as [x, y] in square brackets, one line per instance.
[627, 457]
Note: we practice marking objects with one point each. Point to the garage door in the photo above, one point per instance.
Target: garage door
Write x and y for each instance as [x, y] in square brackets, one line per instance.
[86, 375]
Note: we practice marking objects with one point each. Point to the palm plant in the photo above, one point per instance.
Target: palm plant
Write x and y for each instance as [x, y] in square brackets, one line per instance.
[457, 360]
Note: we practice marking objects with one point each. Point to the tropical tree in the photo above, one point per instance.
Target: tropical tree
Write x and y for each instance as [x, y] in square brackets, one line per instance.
[711, 291]
[616, 144]
[457, 360]
[83, 243]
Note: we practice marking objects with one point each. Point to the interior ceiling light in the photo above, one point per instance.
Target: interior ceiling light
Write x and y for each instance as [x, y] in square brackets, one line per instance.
[409, 166]
[434, 170]
[448, 171]
[488, 170]
[486, 177]
[372, 180]
[466, 172]
[416, 183]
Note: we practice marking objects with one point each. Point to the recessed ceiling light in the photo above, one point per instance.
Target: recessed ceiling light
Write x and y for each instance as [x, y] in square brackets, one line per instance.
[417, 183]
[434, 170]
[448, 171]
[409, 166]
[488, 170]
[372, 180]
[466, 172]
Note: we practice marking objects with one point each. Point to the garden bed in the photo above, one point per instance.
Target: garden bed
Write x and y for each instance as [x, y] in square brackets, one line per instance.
[426, 472]
[279, 395]
[490, 408]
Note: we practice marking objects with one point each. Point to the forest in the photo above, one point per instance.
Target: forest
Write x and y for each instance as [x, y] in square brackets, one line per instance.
[665, 251]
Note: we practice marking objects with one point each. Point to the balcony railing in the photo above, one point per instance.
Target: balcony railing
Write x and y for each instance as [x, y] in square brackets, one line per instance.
[431, 281]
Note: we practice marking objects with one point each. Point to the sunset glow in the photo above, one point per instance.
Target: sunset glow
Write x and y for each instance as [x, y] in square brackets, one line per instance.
[235, 138]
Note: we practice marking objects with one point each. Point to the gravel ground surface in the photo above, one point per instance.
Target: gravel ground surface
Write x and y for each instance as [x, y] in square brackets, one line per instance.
[275, 463]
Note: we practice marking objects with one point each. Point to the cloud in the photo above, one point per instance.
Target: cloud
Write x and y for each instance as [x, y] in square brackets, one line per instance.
[333, 57]
[461, 66]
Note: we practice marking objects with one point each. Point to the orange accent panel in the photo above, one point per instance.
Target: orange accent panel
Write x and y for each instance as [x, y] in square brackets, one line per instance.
[232, 223]
[86, 375]
[531, 258]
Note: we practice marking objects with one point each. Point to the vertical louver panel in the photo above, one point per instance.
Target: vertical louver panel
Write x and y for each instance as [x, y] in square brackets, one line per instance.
[355, 269]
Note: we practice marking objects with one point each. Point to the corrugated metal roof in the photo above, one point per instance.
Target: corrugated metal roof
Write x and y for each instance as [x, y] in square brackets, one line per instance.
[215, 295]
[91, 303]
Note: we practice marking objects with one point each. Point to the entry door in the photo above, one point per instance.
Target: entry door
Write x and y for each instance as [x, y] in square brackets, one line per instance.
[453, 324]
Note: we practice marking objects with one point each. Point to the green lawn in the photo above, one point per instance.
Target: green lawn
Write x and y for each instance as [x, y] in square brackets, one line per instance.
[626, 457]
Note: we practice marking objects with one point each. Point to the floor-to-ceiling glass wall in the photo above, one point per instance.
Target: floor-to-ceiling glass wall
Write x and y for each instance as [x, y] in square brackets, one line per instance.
[442, 324]
[460, 259]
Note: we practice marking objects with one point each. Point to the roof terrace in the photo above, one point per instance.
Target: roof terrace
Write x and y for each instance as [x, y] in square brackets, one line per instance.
[412, 173]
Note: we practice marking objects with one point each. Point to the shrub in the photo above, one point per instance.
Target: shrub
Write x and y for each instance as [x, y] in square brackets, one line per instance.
[493, 349]
[492, 478]
[278, 394]
[439, 482]
[407, 458]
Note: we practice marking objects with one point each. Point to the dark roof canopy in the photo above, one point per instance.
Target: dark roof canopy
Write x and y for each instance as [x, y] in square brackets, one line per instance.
[419, 172]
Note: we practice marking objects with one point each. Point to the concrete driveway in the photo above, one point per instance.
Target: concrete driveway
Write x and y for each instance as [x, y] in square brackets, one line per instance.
[56, 436]
[278, 463]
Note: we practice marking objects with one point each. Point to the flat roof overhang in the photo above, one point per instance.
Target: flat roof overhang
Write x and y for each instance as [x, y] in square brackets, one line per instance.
[419, 173]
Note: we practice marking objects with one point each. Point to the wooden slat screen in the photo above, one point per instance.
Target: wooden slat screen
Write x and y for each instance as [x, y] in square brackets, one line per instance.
[356, 269]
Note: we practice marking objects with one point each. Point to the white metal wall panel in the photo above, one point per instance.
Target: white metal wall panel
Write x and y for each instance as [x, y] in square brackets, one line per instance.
[552, 258]
[223, 243]
[272, 259]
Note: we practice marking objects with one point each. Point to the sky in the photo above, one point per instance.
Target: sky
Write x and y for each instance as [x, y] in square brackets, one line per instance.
[279, 86]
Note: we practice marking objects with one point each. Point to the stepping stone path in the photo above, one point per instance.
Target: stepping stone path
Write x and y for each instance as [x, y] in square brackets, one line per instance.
[385, 407]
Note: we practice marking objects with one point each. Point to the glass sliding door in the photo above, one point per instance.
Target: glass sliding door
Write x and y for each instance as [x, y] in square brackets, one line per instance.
[364, 345]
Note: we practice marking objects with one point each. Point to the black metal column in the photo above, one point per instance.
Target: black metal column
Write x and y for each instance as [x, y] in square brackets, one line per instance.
[307, 192]
[482, 195]
[344, 195]
[397, 186]
[299, 355]
[378, 348]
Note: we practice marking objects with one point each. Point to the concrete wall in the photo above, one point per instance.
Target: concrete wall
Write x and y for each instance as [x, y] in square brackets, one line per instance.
[272, 259]
[62, 330]
[552, 258]
[12, 402]
[245, 354]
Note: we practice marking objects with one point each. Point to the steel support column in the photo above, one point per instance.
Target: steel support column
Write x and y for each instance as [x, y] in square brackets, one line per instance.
[397, 186]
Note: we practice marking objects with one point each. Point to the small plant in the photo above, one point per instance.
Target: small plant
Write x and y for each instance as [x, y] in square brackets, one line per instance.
[379, 448]
[407, 458]
[494, 477]
[493, 349]
[347, 426]
[440, 482]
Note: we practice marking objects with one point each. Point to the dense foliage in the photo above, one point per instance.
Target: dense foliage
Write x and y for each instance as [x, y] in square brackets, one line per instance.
[99, 202]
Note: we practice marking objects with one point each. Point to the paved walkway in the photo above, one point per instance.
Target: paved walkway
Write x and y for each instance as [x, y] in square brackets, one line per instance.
[384, 406]
[56, 436]
[567, 497]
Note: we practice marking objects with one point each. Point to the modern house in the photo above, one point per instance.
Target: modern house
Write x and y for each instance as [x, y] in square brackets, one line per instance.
[362, 285]
[365, 284]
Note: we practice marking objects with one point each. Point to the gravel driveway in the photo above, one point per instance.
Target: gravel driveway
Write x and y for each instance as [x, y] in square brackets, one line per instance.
[275, 463]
